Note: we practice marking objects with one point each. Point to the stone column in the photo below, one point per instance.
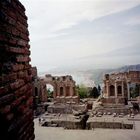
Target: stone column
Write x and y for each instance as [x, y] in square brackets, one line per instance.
[71, 91]
[116, 94]
[128, 91]
[107, 88]
[64, 91]
[74, 91]
[55, 92]
[58, 91]
[139, 89]
[122, 89]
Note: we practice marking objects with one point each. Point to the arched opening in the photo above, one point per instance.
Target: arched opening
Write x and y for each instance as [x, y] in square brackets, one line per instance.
[61, 91]
[50, 90]
[36, 91]
[74, 91]
[67, 91]
[119, 90]
[35, 100]
[112, 90]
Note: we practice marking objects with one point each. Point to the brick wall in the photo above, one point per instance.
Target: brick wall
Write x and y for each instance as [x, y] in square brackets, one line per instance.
[16, 115]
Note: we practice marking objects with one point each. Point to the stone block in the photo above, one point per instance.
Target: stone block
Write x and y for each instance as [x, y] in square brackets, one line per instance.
[3, 90]
[17, 102]
[5, 109]
[9, 116]
[21, 42]
[18, 67]
[23, 59]
[18, 83]
[6, 99]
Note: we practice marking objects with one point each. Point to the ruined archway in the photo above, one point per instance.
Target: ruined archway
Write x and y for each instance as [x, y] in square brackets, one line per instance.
[61, 91]
[63, 85]
[119, 90]
[67, 90]
[64, 88]
[125, 85]
[50, 90]
[112, 90]
[36, 91]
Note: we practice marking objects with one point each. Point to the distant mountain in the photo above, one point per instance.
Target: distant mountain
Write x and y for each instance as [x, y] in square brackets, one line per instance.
[128, 68]
[95, 75]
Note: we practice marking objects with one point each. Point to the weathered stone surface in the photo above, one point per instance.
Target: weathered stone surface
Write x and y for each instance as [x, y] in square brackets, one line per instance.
[64, 86]
[16, 113]
[117, 86]
[111, 125]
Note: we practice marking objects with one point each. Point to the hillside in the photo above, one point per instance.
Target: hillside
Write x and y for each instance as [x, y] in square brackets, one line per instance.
[97, 75]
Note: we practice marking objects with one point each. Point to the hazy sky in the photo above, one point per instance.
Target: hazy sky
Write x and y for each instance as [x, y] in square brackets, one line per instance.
[83, 33]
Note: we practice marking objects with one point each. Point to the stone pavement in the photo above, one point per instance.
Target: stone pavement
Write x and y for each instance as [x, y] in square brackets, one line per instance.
[49, 133]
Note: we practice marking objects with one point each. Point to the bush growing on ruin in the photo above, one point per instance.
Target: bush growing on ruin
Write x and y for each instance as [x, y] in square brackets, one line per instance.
[94, 93]
[135, 91]
[82, 91]
[50, 93]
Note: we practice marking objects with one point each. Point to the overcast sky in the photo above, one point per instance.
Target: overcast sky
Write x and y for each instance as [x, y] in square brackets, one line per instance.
[83, 33]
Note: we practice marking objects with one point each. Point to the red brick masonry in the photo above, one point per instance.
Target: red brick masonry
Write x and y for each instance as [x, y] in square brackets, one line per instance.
[16, 113]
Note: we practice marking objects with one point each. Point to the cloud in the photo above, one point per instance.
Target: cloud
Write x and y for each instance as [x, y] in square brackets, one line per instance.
[117, 57]
[56, 15]
[135, 20]
[58, 39]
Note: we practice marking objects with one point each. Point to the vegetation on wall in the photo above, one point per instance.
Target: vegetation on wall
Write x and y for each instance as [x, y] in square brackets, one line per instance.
[134, 91]
[86, 92]
[50, 93]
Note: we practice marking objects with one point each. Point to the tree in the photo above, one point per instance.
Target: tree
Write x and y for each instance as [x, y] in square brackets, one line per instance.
[99, 89]
[135, 91]
[82, 91]
[50, 93]
[94, 93]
